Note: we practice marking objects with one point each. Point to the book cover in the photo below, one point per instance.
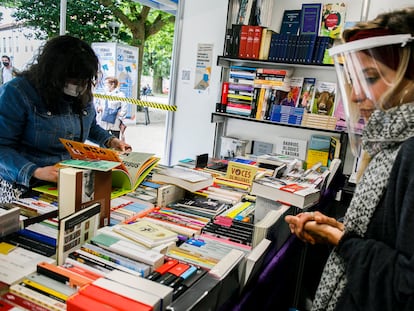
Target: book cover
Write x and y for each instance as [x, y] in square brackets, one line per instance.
[318, 150]
[241, 172]
[296, 84]
[307, 93]
[76, 229]
[80, 187]
[324, 98]
[291, 147]
[290, 22]
[146, 233]
[332, 19]
[127, 248]
[310, 18]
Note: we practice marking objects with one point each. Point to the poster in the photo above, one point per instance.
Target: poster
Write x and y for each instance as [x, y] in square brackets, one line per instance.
[120, 61]
[203, 66]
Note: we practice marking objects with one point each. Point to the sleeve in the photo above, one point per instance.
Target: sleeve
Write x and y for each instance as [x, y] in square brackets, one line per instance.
[380, 270]
[14, 111]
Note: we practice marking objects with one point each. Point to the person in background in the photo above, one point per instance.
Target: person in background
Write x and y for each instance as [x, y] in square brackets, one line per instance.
[52, 99]
[110, 113]
[7, 71]
[371, 266]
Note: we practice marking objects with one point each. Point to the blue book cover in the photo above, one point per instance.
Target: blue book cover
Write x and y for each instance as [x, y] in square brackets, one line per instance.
[310, 18]
[290, 22]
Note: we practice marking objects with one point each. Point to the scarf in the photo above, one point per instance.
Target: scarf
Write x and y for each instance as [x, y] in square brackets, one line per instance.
[382, 137]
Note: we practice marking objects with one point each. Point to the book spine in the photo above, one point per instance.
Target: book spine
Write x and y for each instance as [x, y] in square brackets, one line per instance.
[37, 298]
[23, 302]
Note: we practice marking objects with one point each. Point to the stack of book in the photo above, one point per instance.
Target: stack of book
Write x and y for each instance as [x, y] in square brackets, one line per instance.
[9, 219]
[188, 179]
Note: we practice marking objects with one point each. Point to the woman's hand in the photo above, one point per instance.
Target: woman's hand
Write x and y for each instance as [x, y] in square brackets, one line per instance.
[120, 145]
[315, 227]
[47, 173]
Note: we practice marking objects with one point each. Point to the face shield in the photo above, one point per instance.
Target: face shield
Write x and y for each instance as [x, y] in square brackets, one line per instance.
[369, 73]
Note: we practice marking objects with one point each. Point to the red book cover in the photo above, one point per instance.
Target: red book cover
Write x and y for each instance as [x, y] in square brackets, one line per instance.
[257, 38]
[79, 302]
[22, 302]
[244, 32]
[224, 93]
[250, 39]
[112, 299]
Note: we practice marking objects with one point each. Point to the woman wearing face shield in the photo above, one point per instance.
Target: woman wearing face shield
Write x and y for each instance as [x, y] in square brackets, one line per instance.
[52, 99]
[371, 266]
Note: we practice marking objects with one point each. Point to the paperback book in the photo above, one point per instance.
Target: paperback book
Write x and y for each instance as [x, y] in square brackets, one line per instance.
[131, 168]
[296, 193]
[76, 229]
[147, 233]
[189, 179]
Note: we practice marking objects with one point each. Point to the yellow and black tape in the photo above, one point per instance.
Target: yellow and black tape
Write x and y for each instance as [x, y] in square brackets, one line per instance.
[137, 102]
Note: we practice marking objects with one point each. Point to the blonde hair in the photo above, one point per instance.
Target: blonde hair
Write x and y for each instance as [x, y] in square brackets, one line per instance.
[402, 92]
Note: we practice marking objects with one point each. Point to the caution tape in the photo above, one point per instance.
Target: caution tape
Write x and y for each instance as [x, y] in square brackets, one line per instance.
[137, 102]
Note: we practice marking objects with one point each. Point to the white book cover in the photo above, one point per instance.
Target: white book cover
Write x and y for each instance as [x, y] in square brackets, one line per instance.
[292, 147]
[17, 262]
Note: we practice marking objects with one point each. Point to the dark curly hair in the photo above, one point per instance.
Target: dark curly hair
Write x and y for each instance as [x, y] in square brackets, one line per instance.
[61, 58]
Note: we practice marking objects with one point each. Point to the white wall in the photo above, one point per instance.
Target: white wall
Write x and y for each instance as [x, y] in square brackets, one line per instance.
[193, 133]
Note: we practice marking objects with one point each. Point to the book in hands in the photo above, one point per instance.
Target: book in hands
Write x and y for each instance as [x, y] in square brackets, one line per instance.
[128, 169]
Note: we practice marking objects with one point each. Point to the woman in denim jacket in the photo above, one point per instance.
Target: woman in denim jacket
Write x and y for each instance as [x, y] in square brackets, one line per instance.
[50, 100]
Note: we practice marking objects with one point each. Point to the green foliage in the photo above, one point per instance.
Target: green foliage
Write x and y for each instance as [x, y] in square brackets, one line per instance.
[141, 26]
[158, 50]
[86, 19]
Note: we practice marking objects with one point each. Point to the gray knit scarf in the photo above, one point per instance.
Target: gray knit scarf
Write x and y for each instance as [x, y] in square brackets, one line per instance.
[381, 138]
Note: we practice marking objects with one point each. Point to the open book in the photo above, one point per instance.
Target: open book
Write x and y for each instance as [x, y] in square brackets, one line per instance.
[128, 169]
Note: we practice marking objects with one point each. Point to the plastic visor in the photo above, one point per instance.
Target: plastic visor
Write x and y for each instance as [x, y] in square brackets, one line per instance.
[365, 80]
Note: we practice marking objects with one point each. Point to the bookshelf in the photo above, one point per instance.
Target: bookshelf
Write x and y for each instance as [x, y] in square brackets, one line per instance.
[243, 127]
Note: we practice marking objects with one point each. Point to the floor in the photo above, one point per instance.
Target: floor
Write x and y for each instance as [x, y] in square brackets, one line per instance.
[150, 137]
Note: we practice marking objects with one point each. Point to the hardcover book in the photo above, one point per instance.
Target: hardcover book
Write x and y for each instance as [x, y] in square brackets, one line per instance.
[310, 18]
[290, 22]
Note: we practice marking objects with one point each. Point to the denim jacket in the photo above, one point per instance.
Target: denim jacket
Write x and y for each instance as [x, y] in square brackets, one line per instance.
[29, 133]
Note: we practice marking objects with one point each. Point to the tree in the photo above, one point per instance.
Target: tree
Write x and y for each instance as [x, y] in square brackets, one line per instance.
[88, 20]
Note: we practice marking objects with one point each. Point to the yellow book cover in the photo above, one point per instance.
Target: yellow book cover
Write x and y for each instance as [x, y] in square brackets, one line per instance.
[315, 156]
[241, 172]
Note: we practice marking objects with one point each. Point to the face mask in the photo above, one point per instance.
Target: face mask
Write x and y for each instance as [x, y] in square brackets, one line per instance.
[73, 90]
[5, 64]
